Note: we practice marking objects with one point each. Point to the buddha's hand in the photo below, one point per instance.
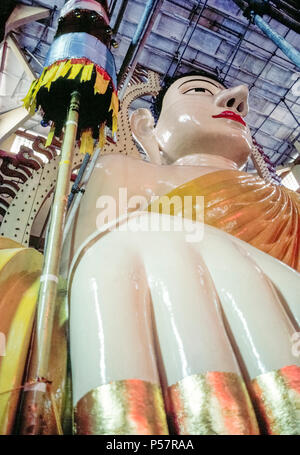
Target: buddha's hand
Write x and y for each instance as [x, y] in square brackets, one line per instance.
[215, 305]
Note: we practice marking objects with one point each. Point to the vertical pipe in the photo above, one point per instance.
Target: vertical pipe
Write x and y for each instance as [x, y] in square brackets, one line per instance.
[136, 38]
[235, 52]
[286, 47]
[85, 178]
[192, 15]
[75, 187]
[190, 37]
[39, 361]
[112, 8]
[290, 111]
[139, 49]
[120, 16]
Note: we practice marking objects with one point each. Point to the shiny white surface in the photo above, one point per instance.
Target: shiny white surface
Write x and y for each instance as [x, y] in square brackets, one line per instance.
[138, 177]
[252, 307]
[188, 124]
[119, 276]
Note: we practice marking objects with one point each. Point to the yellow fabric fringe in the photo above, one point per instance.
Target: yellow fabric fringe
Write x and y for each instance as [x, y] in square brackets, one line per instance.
[66, 68]
[102, 136]
[114, 104]
[27, 99]
[114, 107]
[60, 70]
[50, 136]
[49, 76]
[32, 108]
[101, 84]
[87, 73]
[114, 124]
[76, 68]
[71, 71]
[56, 71]
[87, 142]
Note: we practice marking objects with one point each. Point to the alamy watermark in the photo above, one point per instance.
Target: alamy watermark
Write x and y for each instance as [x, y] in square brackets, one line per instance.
[184, 209]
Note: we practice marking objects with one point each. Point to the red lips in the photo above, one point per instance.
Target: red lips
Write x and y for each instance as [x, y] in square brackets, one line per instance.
[232, 116]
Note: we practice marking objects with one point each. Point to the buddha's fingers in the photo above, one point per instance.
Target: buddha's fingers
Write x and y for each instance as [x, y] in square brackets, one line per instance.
[115, 381]
[190, 329]
[285, 279]
[205, 393]
[261, 329]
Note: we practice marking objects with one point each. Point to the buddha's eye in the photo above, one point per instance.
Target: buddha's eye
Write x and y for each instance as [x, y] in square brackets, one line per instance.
[198, 89]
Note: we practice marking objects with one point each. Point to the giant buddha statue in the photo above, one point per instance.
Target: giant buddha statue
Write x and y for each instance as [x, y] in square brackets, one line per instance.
[169, 334]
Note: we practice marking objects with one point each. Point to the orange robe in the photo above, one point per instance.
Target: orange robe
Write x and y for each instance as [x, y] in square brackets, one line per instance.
[244, 205]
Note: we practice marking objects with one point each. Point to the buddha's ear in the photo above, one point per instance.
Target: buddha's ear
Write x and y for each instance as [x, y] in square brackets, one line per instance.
[142, 127]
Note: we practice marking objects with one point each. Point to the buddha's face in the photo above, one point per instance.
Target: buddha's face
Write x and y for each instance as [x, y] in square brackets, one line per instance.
[200, 116]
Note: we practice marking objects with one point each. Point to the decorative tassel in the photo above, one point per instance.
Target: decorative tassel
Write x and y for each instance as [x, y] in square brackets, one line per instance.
[48, 78]
[114, 107]
[114, 125]
[87, 142]
[87, 73]
[114, 104]
[76, 68]
[38, 85]
[70, 69]
[27, 99]
[66, 68]
[32, 108]
[101, 84]
[102, 136]
[60, 70]
[50, 136]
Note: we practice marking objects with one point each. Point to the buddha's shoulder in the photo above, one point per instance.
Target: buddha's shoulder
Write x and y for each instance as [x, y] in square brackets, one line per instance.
[117, 159]
[120, 160]
[118, 165]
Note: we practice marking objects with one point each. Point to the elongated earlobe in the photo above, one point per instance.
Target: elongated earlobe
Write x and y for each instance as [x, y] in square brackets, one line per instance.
[142, 127]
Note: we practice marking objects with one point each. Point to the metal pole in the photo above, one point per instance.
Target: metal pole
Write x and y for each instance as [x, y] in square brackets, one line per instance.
[286, 47]
[176, 54]
[140, 47]
[120, 16]
[112, 8]
[136, 38]
[39, 361]
[75, 188]
[290, 111]
[190, 37]
[86, 176]
[235, 52]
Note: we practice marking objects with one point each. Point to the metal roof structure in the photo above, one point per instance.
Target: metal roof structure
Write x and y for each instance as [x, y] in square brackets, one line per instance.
[186, 34]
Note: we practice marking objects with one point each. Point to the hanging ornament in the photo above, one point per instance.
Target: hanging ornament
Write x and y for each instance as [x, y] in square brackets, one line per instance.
[79, 59]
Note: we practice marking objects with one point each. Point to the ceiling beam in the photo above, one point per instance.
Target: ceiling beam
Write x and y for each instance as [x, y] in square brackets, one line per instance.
[24, 14]
[15, 47]
[11, 121]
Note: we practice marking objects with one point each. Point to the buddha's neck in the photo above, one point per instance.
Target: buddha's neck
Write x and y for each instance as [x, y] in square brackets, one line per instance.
[203, 159]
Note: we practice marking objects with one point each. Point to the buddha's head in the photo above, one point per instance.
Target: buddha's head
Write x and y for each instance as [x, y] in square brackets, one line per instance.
[197, 115]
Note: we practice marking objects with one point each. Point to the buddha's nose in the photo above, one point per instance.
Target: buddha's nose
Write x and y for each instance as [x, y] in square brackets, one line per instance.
[235, 98]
